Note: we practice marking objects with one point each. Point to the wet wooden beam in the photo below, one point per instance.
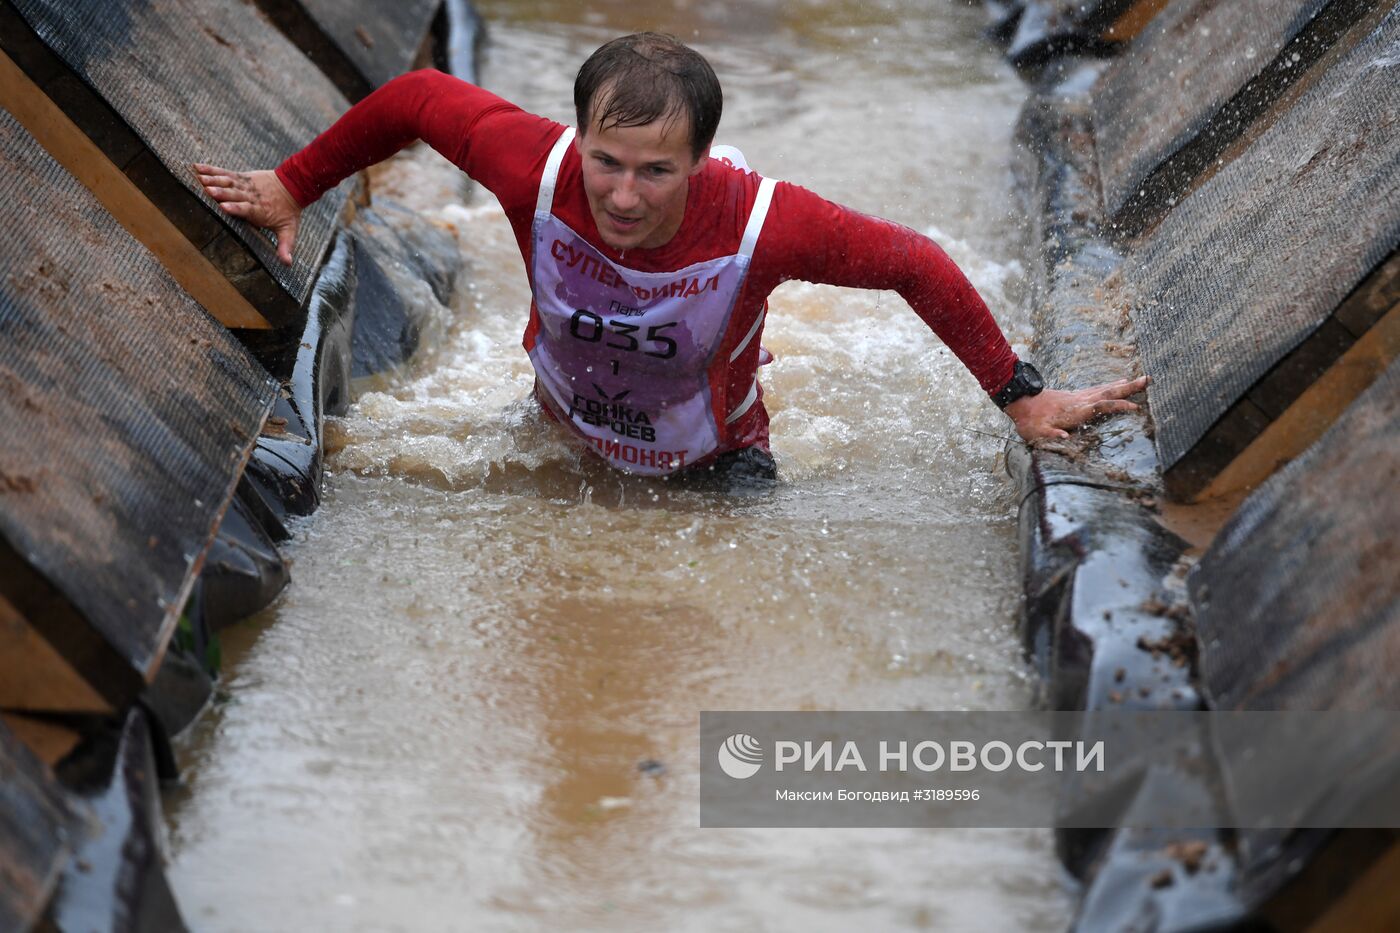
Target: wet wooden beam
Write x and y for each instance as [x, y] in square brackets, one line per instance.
[1371, 903]
[115, 72]
[35, 676]
[1323, 402]
[1133, 20]
[39, 825]
[72, 149]
[1335, 892]
[1180, 95]
[126, 416]
[49, 741]
[1236, 310]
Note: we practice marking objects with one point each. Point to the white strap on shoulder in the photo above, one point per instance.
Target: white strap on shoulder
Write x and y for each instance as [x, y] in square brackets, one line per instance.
[551, 170]
[760, 211]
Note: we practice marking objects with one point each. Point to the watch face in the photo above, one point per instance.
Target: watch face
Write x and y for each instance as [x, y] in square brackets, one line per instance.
[1031, 379]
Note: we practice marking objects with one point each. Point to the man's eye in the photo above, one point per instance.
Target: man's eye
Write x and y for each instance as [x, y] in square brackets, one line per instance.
[658, 172]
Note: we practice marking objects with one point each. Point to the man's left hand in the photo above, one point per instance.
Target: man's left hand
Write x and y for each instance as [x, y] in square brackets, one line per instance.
[1053, 412]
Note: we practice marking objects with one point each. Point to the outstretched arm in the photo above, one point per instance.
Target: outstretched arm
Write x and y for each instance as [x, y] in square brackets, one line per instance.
[490, 139]
[861, 251]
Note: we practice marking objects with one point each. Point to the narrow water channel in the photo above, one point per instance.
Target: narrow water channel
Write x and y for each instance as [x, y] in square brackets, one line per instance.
[439, 725]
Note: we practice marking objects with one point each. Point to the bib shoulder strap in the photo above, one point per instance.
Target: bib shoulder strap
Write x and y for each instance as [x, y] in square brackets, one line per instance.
[756, 216]
[551, 170]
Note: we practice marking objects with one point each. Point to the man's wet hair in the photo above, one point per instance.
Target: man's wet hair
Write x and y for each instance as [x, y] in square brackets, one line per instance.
[646, 77]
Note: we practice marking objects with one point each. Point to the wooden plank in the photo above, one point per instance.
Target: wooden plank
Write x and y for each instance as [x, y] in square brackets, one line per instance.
[34, 676]
[1239, 427]
[1369, 303]
[126, 417]
[49, 741]
[72, 149]
[126, 68]
[1182, 92]
[1134, 20]
[1232, 298]
[58, 623]
[1297, 900]
[1290, 377]
[1314, 412]
[1372, 903]
[1297, 603]
[39, 826]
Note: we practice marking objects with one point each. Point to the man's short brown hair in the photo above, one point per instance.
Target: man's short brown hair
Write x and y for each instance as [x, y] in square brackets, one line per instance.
[646, 77]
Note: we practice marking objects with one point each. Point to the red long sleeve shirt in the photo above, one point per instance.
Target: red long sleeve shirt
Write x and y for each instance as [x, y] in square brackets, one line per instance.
[804, 237]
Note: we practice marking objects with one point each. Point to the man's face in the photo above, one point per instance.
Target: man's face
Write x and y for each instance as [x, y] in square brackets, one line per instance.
[636, 180]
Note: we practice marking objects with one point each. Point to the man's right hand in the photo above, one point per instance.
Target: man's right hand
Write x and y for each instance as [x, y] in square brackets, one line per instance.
[257, 197]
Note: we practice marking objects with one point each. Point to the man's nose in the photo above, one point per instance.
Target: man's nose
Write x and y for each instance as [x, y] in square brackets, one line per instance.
[624, 194]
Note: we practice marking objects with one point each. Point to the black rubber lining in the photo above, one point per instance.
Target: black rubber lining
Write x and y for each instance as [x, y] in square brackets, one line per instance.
[285, 469]
[1298, 600]
[40, 824]
[1192, 82]
[244, 571]
[385, 333]
[1258, 258]
[466, 34]
[1048, 28]
[126, 414]
[1105, 618]
[1003, 15]
[116, 881]
[202, 81]
[1143, 882]
[396, 255]
[1104, 614]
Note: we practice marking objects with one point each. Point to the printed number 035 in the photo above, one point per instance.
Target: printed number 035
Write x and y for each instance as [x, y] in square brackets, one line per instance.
[590, 327]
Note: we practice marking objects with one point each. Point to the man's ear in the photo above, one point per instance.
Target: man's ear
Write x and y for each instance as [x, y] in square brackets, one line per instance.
[701, 162]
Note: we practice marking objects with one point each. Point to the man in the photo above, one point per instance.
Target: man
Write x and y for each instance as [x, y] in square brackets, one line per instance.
[650, 263]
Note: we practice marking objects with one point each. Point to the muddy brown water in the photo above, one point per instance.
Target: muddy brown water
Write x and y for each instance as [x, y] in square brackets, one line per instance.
[439, 724]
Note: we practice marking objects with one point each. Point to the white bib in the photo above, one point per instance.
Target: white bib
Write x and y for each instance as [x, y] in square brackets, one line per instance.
[623, 356]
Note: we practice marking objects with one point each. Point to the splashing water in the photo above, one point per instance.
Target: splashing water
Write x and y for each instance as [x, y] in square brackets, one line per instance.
[476, 704]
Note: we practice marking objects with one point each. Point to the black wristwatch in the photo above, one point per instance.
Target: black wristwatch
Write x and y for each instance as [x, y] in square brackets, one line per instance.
[1024, 381]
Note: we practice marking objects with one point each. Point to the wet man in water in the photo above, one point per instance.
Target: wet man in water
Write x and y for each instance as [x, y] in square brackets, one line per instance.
[649, 261]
